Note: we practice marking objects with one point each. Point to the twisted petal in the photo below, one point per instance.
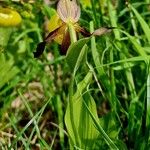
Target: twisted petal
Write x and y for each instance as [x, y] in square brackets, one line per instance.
[102, 30]
[40, 49]
[41, 46]
[68, 10]
[65, 43]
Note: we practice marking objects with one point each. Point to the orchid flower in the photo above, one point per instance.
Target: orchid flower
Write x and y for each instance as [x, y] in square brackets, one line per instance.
[69, 13]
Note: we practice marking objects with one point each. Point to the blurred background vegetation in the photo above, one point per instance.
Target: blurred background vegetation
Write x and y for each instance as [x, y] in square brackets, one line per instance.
[34, 92]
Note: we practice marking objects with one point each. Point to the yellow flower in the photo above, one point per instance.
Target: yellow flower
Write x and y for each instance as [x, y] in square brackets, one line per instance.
[68, 12]
[9, 17]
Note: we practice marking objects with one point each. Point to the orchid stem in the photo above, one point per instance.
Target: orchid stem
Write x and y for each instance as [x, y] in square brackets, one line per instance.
[71, 106]
[72, 33]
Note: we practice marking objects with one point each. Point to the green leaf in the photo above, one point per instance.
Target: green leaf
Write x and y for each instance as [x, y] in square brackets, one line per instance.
[78, 114]
[110, 143]
[12, 72]
[7, 70]
[111, 127]
[4, 36]
[142, 22]
[126, 66]
[139, 49]
[75, 50]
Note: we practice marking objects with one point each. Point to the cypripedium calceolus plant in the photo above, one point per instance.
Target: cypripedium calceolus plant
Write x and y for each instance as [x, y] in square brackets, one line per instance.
[68, 12]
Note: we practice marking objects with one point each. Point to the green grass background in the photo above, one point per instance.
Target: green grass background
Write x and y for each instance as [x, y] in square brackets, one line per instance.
[97, 97]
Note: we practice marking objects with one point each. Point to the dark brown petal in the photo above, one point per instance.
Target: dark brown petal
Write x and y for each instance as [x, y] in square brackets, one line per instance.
[39, 50]
[51, 35]
[84, 32]
[41, 46]
[65, 43]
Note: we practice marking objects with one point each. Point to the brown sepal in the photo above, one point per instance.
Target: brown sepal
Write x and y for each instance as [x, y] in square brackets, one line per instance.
[39, 50]
[51, 35]
[41, 46]
[84, 32]
[65, 43]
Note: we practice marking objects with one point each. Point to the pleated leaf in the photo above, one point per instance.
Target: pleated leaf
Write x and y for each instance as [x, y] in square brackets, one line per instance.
[78, 117]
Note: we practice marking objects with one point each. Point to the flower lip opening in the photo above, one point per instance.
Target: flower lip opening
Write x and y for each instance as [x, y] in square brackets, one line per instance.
[68, 11]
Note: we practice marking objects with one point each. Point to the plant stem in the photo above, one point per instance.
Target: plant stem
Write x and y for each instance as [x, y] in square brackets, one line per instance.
[148, 100]
[73, 40]
[72, 33]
